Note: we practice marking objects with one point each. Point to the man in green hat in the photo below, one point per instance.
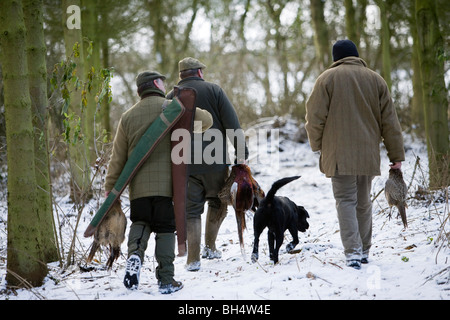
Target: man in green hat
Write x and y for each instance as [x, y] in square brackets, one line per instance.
[150, 191]
[206, 179]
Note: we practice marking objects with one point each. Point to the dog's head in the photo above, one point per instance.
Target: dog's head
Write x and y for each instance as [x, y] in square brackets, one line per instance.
[302, 224]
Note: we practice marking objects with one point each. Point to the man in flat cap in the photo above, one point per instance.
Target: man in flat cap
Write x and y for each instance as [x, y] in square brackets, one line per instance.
[150, 191]
[349, 112]
[206, 179]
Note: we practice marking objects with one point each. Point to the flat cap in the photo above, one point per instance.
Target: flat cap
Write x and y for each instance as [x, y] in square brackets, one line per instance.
[190, 63]
[148, 76]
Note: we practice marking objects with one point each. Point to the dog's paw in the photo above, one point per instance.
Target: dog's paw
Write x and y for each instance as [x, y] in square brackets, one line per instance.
[254, 257]
[290, 247]
[273, 258]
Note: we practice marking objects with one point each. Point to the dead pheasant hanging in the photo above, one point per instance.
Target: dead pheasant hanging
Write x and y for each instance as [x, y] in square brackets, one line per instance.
[110, 232]
[395, 191]
[242, 192]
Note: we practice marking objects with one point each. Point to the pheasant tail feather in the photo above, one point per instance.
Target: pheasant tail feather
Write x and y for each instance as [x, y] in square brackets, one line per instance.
[402, 211]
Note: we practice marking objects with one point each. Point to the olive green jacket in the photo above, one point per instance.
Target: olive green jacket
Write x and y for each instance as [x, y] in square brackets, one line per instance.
[213, 99]
[154, 178]
[349, 112]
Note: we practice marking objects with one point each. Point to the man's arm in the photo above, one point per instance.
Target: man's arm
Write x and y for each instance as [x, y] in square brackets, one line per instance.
[230, 120]
[316, 115]
[119, 156]
[391, 130]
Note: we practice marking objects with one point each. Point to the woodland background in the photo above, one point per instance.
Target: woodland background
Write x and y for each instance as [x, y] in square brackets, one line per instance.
[63, 90]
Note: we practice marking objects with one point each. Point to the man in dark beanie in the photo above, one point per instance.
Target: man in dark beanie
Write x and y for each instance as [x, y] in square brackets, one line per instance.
[343, 49]
[150, 191]
[349, 112]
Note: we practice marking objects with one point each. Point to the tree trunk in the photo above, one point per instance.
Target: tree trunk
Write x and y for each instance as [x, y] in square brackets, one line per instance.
[37, 71]
[431, 52]
[321, 40]
[385, 43]
[92, 60]
[77, 155]
[417, 110]
[170, 44]
[351, 26]
[280, 46]
[24, 254]
[156, 9]
[362, 35]
[105, 109]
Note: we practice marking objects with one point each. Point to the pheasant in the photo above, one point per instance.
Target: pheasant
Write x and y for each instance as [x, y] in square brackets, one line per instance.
[395, 191]
[110, 232]
[242, 192]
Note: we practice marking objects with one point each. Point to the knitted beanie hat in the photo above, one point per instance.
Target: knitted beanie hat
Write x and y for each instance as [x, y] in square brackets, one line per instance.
[344, 48]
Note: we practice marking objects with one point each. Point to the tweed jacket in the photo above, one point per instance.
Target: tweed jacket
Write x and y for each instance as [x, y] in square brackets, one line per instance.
[349, 112]
[154, 178]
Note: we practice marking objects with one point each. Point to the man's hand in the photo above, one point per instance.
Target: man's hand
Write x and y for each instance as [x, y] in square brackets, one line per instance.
[396, 165]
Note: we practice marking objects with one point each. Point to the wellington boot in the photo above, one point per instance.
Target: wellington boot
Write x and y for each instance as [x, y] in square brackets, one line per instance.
[165, 255]
[214, 219]
[194, 232]
[138, 238]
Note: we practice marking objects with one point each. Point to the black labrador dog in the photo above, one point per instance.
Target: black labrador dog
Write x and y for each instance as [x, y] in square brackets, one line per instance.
[278, 214]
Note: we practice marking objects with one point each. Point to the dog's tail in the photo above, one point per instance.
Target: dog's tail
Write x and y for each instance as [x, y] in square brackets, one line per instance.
[277, 185]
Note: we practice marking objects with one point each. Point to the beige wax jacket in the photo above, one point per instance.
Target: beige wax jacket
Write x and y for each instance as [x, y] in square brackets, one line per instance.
[349, 112]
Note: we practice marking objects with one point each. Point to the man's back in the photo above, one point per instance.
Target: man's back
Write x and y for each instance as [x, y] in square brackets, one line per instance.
[154, 177]
[213, 99]
[348, 113]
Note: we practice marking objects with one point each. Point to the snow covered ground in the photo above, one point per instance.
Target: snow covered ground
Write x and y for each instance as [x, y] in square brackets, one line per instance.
[404, 264]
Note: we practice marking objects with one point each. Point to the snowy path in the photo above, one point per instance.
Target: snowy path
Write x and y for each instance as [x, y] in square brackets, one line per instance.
[404, 264]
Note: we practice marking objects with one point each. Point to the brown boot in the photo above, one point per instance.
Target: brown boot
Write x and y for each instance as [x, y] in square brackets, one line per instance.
[194, 232]
[169, 288]
[214, 219]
